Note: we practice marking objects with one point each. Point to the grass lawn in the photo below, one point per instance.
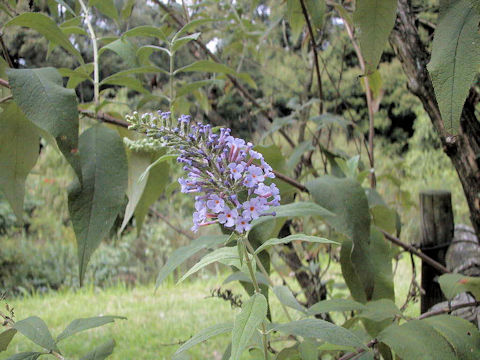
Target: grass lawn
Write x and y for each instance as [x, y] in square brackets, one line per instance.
[155, 320]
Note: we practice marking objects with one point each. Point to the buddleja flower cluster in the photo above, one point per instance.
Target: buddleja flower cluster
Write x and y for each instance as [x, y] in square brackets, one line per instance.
[230, 178]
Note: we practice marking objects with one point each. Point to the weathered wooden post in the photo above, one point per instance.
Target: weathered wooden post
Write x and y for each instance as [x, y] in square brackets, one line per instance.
[437, 234]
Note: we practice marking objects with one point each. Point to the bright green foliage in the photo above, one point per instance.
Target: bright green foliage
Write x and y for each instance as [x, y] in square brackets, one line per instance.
[45, 102]
[95, 202]
[183, 253]
[320, 329]
[204, 335]
[374, 20]
[296, 237]
[101, 352]
[454, 284]
[48, 28]
[79, 325]
[18, 154]
[455, 59]
[253, 313]
[37, 331]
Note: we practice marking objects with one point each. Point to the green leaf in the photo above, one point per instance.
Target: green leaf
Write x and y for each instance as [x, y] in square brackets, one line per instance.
[299, 150]
[18, 154]
[242, 277]
[95, 203]
[454, 284]
[190, 87]
[139, 70]
[204, 335]
[191, 26]
[476, 5]
[64, 4]
[455, 59]
[5, 338]
[106, 7]
[417, 340]
[308, 350]
[48, 28]
[295, 18]
[181, 254]
[207, 66]
[158, 178]
[374, 20]
[101, 352]
[380, 310]
[25, 356]
[253, 313]
[78, 75]
[463, 336]
[384, 218]
[143, 53]
[296, 237]
[326, 306]
[286, 297]
[36, 330]
[127, 81]
[316, 11]
[225, 255]
[79, 325]
[347, 200]
[45, 102]
[321, 329]
[69, 30]
[178, 43]
[123, 48]
[146, 30]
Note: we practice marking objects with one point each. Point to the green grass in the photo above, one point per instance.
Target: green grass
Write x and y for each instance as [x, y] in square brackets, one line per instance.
[155, 320]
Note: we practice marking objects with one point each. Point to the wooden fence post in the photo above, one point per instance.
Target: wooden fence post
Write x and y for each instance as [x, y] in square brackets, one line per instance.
[437, 233]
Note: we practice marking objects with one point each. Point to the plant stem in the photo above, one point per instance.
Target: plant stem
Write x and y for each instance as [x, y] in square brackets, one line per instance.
[170, 79]
[96, 73]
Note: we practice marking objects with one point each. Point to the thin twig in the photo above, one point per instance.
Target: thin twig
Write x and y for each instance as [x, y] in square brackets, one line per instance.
[177, 229]
[448, 309]
[290, 181]
[6, 54]
[4, 83]
[104, 117]
[6, 98]
[414, 251]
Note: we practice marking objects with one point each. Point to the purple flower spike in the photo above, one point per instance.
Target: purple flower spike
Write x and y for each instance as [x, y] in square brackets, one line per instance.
[216, 203]
[236, 170]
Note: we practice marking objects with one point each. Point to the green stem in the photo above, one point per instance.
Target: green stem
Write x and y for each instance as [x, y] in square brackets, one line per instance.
[244, 240]
[170, 79]
[96, 72]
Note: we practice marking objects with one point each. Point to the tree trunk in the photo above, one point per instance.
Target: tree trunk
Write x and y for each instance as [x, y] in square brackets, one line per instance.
[463, 149]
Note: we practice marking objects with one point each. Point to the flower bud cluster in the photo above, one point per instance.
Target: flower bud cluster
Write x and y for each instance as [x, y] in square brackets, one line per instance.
[230, 178]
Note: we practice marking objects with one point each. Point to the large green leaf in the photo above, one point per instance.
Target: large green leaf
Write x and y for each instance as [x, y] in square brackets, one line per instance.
[18, 154]
[123, 48]
[316, 11]
[37, 331]
[100, 352]
[455, 59]
[335, 305]
[320, 329]
[42, 98]
[5, 338]
[106, 7]
[417, 340]
[127, 81]
[95, 202]
[25, 356]
[454, 284]
[286, 297]
[253, 313]
[347, 200]
[79, 325]
[48, 28]
[295, 18]
[225, 255]
[183, 253]
[204, 335]
[296, 237]
[380, 310]
[461, 334]
[374, 20]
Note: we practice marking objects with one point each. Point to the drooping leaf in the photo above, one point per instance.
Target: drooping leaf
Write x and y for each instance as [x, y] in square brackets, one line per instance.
[455, 59]
[79, 325]
[183, 253]
[308, 350]
[18, 154]
[127, 9]
[78, 75]
[101, 352]
[240, 276]
[326, 306]
[41, 96]
[225, 255]
[415, 340]
[207, 66]
[254, 311]
[295, 237]
[316, 11]
[146, 30]
[286, 297]
[5, 338]
[192, 25]
[190, 87]
[123, 48]
[380, 310]
[37, 331]
[299, 150]
[127, 81]
[144, 52]
[106, 7]
[454, 284]
[25, 356]
[374, 20]
[321, 329]
[139, 70]
[180, 42]
[48, 28]
[204, 335]
[295, 18]
[463, 336]
[95, 202]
